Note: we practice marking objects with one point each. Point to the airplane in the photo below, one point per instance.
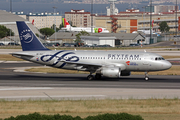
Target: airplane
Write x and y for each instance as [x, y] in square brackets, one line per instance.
[68, 27]
[112, 64]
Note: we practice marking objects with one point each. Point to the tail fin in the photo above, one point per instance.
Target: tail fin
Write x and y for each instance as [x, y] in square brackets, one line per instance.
[29, 41]
[66, 23]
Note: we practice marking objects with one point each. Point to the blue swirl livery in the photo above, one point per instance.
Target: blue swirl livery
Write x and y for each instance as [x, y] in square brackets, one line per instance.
[60, 58]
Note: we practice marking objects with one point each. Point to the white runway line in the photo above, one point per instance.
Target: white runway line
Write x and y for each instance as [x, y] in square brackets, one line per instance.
[54, 96]
[26, 88]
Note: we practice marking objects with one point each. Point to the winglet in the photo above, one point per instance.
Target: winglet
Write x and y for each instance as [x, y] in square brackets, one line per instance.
[29, 41]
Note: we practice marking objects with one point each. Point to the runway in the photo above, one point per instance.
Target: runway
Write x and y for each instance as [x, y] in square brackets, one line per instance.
[24, 86]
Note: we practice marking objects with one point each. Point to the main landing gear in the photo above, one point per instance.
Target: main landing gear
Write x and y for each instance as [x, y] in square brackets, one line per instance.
[98, 76]
[146, 76]
[91, 77]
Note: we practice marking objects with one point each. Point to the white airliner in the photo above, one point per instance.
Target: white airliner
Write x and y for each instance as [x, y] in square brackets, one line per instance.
[112, 64]
[68, 27]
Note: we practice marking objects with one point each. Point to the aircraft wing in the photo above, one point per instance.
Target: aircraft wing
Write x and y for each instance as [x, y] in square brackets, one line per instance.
[83, 64]
[96, 66]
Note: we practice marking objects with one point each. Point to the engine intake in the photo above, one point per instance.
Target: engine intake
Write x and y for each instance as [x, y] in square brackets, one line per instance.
[112, 72]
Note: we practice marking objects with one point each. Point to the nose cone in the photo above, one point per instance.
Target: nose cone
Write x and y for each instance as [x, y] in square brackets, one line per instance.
[167, 65]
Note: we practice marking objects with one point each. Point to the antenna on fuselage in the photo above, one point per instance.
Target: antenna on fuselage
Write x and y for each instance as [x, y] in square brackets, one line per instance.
[144, 50]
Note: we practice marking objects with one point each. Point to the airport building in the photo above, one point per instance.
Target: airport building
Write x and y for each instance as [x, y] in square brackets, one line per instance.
[42, 20]
[157, 9]
[133, 20]
[112, 39]
[79, 18]
[9, 20]
[112, 10]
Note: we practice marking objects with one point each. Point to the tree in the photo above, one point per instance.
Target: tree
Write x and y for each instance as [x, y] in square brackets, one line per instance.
[5, 31]
[46, 31]
[61, 26]
[37, 34]
[78, 39]
[163, 26]
[53, 26]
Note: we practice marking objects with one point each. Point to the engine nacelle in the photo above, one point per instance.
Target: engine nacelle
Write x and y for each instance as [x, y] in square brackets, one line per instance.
[125, 73]
[112, 72]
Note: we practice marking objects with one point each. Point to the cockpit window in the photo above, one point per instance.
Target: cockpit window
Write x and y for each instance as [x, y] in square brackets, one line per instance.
[159, 58]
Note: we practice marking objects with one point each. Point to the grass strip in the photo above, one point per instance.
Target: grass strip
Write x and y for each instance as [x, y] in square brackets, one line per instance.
[7, 57]
[150, 108]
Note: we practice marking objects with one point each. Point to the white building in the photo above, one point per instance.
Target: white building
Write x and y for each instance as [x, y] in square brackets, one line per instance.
[42, 20]
[164, 8]
[109, 12]
[112, 10]
[99, 40]
[80, 18]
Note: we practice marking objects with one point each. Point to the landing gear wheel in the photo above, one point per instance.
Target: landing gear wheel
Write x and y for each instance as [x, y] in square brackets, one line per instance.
[90, 77]
[98, 76]
[146, 78]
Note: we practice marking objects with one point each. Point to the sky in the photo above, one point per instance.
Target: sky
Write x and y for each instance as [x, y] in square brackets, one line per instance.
[27, 7]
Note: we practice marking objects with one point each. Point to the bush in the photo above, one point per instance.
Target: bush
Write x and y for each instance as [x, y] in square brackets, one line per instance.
[37, 116]
[118, 116]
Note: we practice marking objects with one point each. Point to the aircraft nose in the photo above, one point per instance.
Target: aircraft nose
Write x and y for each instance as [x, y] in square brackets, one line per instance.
[167, 65]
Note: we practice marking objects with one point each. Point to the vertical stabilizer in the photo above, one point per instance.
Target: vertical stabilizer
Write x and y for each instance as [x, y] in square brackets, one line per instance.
[67, 25]
[29, 41]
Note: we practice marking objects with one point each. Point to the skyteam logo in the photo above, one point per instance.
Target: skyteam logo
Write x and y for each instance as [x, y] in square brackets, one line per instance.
[26, 36]
[60, 56]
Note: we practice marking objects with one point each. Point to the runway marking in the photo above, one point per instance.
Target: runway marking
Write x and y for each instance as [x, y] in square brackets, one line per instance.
[56, 96]
[26, 88]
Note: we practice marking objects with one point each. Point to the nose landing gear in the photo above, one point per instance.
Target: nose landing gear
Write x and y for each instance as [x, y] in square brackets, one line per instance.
[146, 76]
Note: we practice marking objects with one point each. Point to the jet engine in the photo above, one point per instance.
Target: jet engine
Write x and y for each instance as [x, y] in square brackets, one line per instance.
[112, 72]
